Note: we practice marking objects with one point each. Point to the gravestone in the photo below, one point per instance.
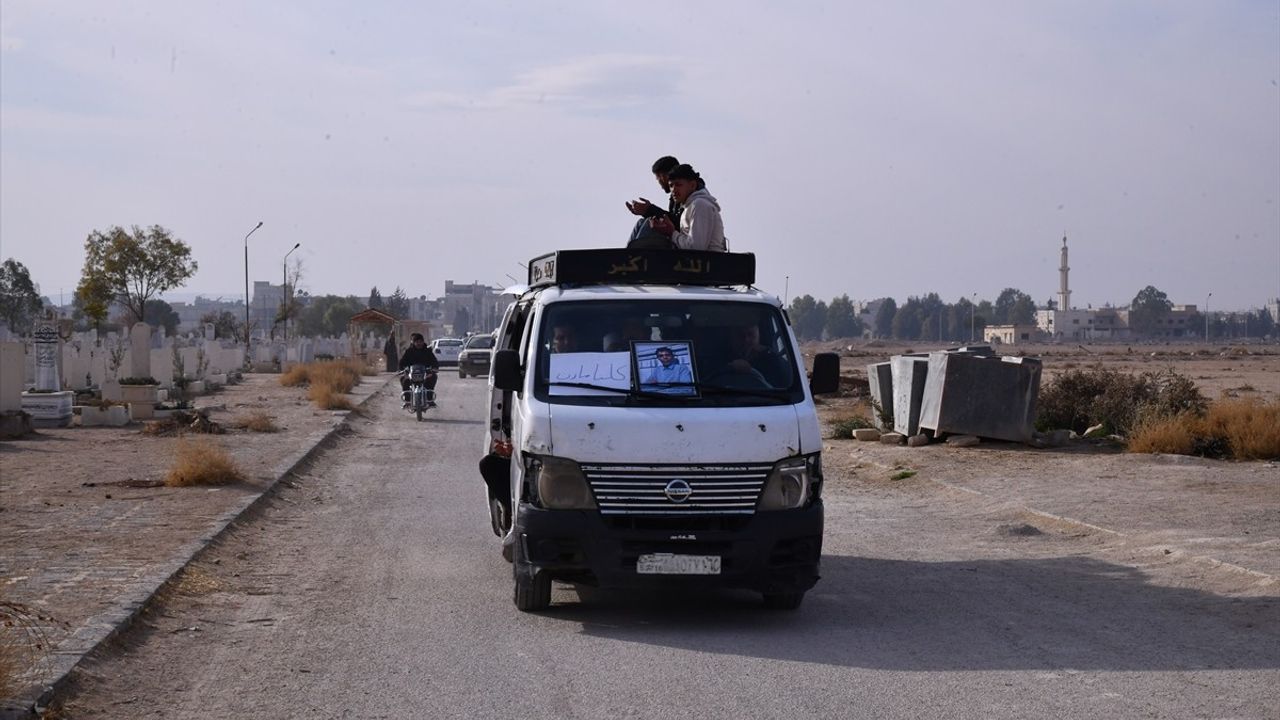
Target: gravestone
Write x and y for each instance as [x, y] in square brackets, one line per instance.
[48, 350]
[210, 331]
[140, 351]
[49, 405]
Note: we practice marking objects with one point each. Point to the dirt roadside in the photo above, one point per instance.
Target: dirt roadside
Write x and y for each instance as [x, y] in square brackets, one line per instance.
[83, 531]
[1224, 517]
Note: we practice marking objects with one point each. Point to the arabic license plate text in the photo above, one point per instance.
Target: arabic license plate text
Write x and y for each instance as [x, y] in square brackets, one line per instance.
[671, 564]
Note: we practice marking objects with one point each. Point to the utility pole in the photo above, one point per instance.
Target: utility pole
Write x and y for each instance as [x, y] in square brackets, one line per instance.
[284, 292]
[1206, 316]
[246, 293]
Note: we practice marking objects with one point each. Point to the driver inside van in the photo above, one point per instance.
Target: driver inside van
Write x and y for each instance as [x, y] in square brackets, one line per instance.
[564, 339]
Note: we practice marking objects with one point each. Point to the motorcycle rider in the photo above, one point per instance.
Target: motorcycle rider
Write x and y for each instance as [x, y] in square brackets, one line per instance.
[418, 353]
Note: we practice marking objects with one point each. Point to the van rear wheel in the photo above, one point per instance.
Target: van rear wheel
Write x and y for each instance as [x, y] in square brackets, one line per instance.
[534, 593]
[783, 601]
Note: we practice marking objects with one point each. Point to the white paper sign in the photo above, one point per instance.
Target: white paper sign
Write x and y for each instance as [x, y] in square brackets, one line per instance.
[610, 370]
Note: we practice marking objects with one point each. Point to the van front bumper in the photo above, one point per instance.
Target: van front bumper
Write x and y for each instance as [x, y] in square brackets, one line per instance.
[771, 552]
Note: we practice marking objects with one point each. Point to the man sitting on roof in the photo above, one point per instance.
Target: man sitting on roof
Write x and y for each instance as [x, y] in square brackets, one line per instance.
[700, 225]
[643, 235]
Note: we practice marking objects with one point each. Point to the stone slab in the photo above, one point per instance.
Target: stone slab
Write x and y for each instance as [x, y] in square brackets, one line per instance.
[909, 375]
[866, 434]
[991, 397]
[880, 376]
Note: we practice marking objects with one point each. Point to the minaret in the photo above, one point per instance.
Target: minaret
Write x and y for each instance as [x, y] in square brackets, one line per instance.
[1064, 290]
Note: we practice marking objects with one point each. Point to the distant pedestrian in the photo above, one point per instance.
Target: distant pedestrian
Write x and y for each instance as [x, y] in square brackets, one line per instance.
[392, 351]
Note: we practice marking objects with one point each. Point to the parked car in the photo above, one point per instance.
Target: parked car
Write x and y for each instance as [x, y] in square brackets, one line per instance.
[474, 359]
[447, 350]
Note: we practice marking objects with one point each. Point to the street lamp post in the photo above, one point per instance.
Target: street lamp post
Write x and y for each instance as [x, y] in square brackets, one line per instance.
[246, 291]
[1206, 316]
[973, 311]
[284, 290]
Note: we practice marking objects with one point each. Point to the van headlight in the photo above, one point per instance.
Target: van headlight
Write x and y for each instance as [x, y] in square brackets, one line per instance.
[792, 483]
[558, 483]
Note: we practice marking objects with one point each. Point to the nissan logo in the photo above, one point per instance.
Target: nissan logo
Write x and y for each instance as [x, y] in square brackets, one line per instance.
[677, 491]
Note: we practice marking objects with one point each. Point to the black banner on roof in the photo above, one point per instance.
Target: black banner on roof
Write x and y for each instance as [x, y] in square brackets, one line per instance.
[642, 267]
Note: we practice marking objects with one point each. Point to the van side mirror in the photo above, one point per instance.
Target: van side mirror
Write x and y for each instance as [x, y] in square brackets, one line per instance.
[506, 370]
[826, 374]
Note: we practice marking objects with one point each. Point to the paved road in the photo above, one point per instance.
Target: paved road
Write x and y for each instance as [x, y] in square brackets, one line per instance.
[374, 588]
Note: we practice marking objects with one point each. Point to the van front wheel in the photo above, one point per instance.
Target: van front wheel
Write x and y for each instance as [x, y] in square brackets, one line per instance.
[783, 601]
[534, 593]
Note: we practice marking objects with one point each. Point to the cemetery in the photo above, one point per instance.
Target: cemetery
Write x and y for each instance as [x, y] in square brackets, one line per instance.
[57, 378]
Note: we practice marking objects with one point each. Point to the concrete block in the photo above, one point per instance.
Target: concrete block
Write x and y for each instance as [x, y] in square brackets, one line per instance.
[963, 440]
[909, 375]
[918, 440]
[880, 375]
[142, 410]
[49, 409]
[990, 397]
[15, 424]
[112, 416]
[12, 362]
[892, 438]
[867, 434]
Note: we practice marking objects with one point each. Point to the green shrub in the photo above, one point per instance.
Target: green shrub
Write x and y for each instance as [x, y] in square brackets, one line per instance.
[844, 427]
[1077, 399]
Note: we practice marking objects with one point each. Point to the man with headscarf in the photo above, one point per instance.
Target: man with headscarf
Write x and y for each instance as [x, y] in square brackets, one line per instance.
[701, 227]
[643, 235]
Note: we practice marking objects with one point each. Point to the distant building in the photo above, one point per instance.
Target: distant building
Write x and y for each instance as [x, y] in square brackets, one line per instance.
[1012, 334]
[265, 305]
[472, 307]
[1180, 321]
[1089, 324]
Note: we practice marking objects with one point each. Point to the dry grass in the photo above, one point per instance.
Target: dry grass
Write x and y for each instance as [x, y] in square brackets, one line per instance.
[1238, 429]
[202, 463]
[24, 641]
[296, 375]
[258, 421]
[198, 581]
[327, 398]
[328, 381]
[341, 376]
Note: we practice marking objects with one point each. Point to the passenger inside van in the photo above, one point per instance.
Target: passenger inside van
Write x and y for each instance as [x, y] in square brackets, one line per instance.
[633, 330]
[747, 356]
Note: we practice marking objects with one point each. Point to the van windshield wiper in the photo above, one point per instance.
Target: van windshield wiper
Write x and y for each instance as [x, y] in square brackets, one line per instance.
[753, 392]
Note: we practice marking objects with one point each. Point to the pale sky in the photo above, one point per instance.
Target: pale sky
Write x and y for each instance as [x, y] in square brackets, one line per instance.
[863, 148]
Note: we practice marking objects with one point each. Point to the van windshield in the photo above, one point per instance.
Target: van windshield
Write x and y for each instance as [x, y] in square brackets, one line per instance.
[673, 352]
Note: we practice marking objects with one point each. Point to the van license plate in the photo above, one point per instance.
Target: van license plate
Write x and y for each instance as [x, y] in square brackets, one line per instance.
[671, 564]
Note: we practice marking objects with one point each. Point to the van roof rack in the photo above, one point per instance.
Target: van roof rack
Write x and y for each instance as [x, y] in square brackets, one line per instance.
[620, 266]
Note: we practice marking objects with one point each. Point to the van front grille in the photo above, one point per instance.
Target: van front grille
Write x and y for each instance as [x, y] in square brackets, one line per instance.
[677, 490]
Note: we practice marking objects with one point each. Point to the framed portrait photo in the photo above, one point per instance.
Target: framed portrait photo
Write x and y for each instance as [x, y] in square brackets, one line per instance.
[665, 367]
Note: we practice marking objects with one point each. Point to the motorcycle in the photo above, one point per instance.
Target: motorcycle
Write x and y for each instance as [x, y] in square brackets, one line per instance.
[418, 398]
